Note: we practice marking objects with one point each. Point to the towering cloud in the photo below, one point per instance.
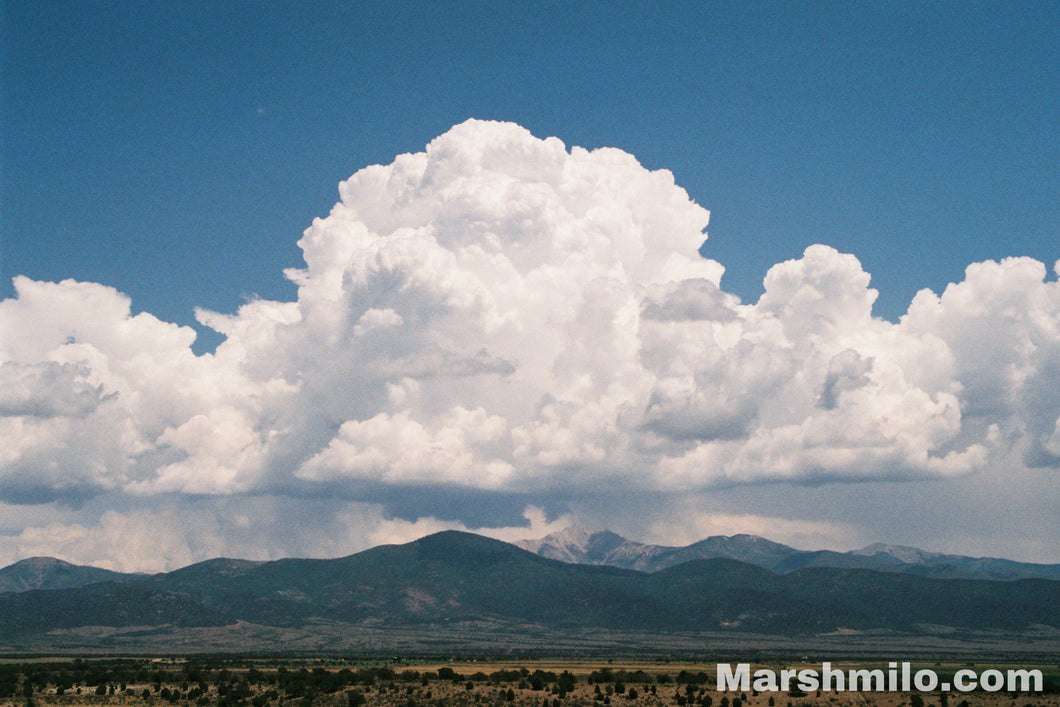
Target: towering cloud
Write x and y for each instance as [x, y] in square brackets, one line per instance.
[500, 314]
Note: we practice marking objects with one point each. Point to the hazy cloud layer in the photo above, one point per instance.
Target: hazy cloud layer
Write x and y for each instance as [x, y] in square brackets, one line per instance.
[501, 314]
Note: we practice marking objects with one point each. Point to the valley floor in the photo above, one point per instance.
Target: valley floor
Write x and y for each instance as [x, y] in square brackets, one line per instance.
[60, 682]
[582, 696]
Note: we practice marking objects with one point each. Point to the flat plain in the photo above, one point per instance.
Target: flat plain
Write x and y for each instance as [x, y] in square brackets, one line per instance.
[474, 682]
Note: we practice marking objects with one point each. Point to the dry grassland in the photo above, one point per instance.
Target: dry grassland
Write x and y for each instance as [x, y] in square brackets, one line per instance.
[482, 684]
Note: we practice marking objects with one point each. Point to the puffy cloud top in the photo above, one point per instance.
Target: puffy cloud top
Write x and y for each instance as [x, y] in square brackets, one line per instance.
[502, 314]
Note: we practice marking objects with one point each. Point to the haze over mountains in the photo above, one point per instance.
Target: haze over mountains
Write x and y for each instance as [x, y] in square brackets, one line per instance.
[603, 547]
[587, 546]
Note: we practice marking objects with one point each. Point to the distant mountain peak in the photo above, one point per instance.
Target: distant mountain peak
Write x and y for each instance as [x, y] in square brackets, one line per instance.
[594, 546]
[580, 544]
[39, 562]
[578, 532]
[903, 553]
[51, 573]
[573, 535]
[749, 538]
[591, 546]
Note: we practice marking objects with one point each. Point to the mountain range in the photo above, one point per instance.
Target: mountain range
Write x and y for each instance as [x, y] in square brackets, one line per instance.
[453, 579]
[586, 546]
[602, 547]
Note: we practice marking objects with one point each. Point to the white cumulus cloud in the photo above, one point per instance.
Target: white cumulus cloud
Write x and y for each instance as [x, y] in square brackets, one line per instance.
[500, 313]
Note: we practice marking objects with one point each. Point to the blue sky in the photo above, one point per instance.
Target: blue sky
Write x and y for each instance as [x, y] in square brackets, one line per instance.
[176, 152]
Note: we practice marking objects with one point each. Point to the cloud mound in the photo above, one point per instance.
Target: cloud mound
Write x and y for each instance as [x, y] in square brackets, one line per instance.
[500, 313]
